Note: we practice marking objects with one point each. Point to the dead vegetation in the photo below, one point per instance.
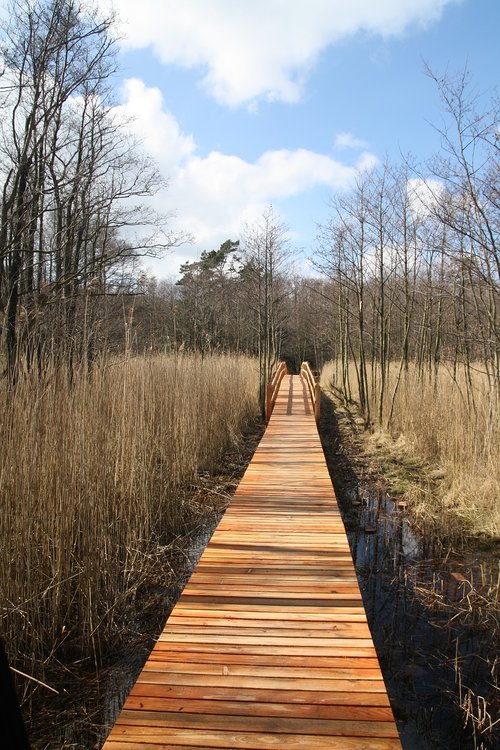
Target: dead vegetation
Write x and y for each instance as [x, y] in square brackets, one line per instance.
[462, 597]
[94, 472]
[441, 449]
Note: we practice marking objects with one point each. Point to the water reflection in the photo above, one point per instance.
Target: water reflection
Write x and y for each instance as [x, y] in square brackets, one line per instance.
[430, 658]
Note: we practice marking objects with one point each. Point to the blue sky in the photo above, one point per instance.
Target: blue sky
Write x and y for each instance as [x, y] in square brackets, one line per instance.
[364, 84]
[249, 102]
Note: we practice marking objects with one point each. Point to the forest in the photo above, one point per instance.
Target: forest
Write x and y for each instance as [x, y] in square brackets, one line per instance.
[121, 389]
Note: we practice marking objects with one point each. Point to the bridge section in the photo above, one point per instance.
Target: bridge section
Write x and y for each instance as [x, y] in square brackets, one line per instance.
[268, 646]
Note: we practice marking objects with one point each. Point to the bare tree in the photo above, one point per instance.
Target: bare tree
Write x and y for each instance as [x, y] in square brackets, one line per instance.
[73, 180]
[467, 200]
[265, 255]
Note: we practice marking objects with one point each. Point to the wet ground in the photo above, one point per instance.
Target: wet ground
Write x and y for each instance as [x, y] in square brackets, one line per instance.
[432, 611]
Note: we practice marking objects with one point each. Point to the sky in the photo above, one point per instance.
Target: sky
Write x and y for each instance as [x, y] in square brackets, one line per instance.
[246, 103]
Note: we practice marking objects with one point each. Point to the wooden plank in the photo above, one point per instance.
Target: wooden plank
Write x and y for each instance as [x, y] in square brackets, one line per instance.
[216, 657]
[284, 650]
[149, 738]
[262, 683]
[263, 627]
[325, 616]
[198, 667]
[261, 695]
[283, 710]
[268, 646]
[235, 723]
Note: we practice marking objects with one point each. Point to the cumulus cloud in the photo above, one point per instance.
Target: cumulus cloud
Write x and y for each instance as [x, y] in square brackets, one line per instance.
[215, 194]
[157, 129]
[264, 48]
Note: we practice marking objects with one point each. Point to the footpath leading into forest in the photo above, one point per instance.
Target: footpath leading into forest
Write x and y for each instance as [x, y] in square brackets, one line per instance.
[268, 646]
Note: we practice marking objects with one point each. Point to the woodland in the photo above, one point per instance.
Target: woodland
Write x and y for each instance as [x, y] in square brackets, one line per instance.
[119, 386]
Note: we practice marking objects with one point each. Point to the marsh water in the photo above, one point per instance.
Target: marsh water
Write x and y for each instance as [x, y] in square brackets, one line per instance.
[431, 659]
[431, 614]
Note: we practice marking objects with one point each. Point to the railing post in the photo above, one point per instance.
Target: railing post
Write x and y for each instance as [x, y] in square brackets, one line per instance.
[269, 401]
[313, 387]
[317, 401]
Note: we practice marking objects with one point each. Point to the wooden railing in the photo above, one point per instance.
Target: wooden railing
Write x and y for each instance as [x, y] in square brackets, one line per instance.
[314, 387]
[273, 387]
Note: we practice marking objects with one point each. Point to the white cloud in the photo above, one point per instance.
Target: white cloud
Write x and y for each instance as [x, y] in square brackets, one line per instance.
[156, 128]
[215, 194]
[264, 48]
[348, 140]
[423, 195]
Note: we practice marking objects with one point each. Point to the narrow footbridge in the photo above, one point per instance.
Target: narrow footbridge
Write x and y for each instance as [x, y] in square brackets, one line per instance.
[268, 646]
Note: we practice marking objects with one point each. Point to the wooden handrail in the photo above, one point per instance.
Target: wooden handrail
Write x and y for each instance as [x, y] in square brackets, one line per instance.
[314, 387]
[273, 387]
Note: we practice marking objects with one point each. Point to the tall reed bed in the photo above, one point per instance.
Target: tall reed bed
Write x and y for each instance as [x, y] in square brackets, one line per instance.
[449, 420]
[89, 466]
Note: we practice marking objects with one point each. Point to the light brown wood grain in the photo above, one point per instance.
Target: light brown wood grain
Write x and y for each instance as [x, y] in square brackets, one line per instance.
[268, 646]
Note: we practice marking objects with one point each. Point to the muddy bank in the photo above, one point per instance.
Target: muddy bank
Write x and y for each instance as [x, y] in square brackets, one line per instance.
[433, 610]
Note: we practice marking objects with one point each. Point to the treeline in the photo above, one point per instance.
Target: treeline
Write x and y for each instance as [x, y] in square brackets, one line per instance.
[241, 298]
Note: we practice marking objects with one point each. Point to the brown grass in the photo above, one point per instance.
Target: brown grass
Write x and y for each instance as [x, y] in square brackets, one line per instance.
[448, 436]
[88, 478]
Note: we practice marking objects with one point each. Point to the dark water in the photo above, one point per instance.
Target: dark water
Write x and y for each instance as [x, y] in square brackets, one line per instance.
[432, 629]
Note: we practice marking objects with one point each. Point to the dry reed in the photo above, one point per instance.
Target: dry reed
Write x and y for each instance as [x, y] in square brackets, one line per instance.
[89, 467]
[463, 598]
[449, 425]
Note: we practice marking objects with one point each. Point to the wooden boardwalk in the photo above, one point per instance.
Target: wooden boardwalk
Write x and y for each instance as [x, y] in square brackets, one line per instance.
[268, 646]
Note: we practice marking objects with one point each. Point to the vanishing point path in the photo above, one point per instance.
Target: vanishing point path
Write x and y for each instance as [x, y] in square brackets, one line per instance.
[268, 646]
